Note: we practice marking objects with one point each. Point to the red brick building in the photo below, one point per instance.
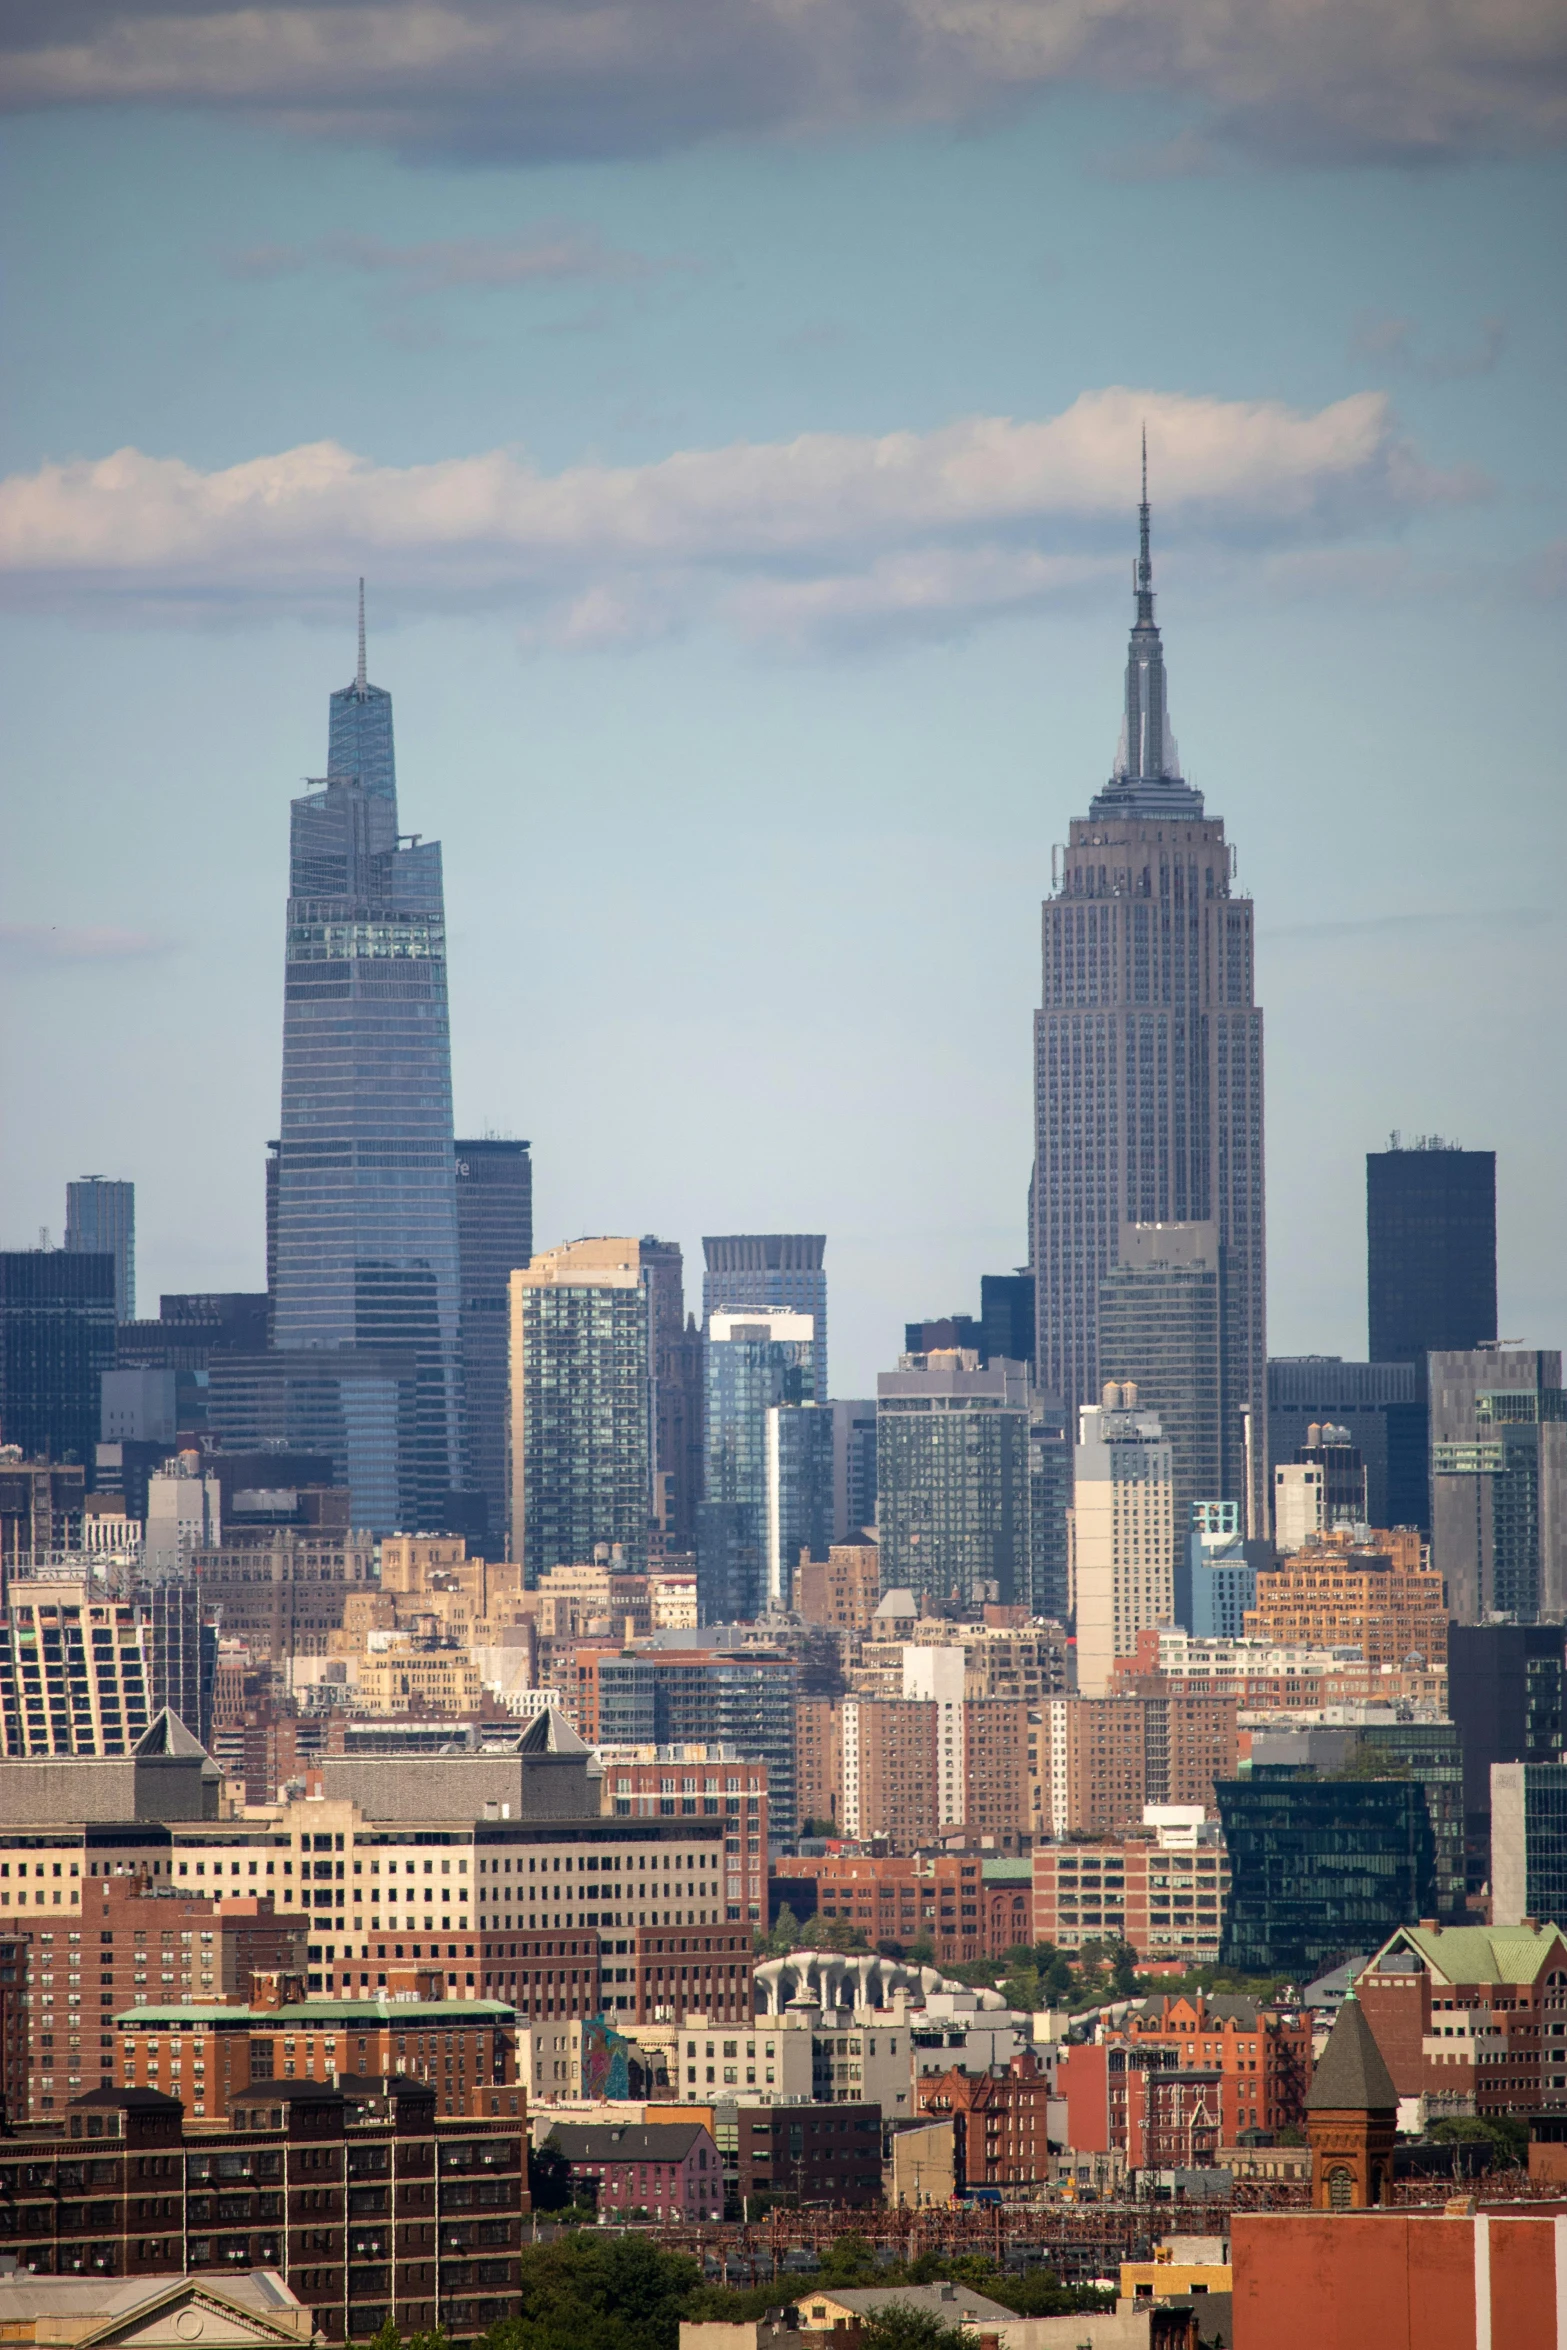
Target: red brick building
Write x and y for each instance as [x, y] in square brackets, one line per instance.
[1261, 2054]
[136, 1945]
[1473, 2018]
[944, 1897]
[812, 2153]
[1000, 2134]
[209, 2056]
[668, 2171]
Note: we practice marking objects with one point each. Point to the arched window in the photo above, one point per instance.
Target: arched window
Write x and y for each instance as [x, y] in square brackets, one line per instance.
[1341, 2187]
[1556, 1988]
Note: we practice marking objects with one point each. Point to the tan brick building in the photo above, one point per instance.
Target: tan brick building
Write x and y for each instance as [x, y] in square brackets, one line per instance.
[818, 1757]
[842, 1589]
[1163, 1888]
[1376, 1596]
[1102, 1758]
[889, 1784]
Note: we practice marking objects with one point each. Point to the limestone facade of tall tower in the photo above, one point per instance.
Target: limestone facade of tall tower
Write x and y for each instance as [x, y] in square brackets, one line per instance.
[1148, 1079]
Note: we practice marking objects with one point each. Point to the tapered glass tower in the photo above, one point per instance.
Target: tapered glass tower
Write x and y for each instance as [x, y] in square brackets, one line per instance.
[366, 1220]
[1148, 1059]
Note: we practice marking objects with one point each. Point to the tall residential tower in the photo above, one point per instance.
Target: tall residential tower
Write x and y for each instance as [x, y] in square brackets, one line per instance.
[1148, 1058]
[366, 1202]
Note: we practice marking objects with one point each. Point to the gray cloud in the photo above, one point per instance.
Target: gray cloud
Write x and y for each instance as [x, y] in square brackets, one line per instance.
[1317, 80]
[1394, 343]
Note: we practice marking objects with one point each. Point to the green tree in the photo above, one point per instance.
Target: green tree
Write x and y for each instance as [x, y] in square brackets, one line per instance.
[549, 2178]
[900, 2328]
[1508, 2133]
[840, 1934]
[587, 2291]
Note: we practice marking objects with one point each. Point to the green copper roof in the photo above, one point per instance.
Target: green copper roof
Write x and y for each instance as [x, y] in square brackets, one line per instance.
[1353, 2076]
[1478, 1954]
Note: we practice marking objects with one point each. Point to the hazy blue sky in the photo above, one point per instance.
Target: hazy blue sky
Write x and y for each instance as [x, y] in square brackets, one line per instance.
[735, 411]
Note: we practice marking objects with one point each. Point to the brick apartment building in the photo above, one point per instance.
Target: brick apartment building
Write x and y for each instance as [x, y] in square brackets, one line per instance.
[1378, 1596]
[664, 2171]
[1473, 2018]
[707, 1782]
[1163, 1889]
[1179, 2075]
[369, 2204]
[1103, 1758]
[135, 1945]
[211, 2056]
[966, 1906]
[1000, 2133]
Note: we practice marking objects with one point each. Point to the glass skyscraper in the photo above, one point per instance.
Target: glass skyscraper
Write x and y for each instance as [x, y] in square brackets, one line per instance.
[783, 1269]
[768, 1481]
[101, 1214]
[366, 1207]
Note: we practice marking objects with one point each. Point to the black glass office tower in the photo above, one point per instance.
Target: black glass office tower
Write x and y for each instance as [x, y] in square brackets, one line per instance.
[1148, 1092]
[1321, 1869]
[366, 1210]
[1430, 1250]
[56, 1342]
[494, 1240]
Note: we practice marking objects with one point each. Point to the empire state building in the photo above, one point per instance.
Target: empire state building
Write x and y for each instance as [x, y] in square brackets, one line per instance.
[1148, 1060]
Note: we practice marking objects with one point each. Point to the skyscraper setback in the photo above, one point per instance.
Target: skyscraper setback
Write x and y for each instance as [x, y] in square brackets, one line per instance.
[1148, 1058]
[366, 1207]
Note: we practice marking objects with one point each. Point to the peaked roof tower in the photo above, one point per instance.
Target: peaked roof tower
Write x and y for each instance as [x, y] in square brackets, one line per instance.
[1352, 2076]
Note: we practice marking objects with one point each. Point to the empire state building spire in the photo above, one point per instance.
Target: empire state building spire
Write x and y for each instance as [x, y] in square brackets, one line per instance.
[1147, 767]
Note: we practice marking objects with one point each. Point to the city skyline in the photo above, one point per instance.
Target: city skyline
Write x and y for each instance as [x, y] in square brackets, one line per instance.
[755, 593]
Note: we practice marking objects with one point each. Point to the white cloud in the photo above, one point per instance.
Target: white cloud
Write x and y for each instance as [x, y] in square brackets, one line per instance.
[1401, 79]
[830, 533]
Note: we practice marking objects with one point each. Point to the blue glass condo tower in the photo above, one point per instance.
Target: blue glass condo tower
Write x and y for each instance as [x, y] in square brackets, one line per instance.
[366, 1222]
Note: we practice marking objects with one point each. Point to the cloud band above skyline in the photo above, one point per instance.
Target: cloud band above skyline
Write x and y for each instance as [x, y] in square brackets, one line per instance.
[827, 532]
[1283, 80]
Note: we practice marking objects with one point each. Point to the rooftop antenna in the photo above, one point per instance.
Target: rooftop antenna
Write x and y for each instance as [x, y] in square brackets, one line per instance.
[359, 680]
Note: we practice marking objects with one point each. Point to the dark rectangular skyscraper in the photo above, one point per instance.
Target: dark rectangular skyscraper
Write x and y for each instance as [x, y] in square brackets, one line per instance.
[366, 1216]
[785, 1269]
[101, 1214]
[56, 1342]
[1430, 1250]
[494, 1240]
[1148, 1056]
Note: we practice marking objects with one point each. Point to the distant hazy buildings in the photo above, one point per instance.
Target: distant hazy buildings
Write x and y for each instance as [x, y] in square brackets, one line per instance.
[1507, 1693]
[853, 1467]
[581, 1406]
[494, 1238]
[677, 1378]
[365, 1216]
[785, 1269]
[1006, 1316]
[1148, 1057]
[357, 1406]
[99, 1215]
[1123, 1532]
[1382, 1405]
[1528, 1842]
[952, 1472]
[1499, 1482]
[1161, 1325]
[56, 1341]
[1323, 1487]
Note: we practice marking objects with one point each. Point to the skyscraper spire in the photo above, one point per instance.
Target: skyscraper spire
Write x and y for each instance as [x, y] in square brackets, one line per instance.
[359, 675]
[1146, 753]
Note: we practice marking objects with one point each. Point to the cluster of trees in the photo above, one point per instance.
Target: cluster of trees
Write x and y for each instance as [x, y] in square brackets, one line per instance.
[593, 2291]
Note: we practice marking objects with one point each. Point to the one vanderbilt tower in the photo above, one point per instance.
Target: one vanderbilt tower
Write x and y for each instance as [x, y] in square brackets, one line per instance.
[1148, 1060]
[366, 1204]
